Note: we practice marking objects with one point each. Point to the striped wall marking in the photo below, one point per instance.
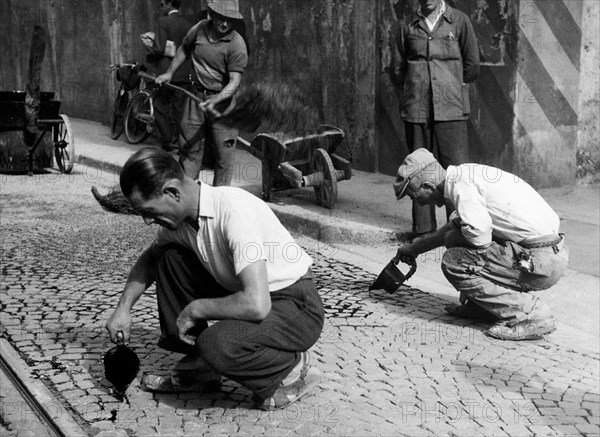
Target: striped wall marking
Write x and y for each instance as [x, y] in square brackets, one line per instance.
[555, 61]
[564, 28]
[551, 100]
[529, 113]
[575, 8]
[553, 75]
[550, 143]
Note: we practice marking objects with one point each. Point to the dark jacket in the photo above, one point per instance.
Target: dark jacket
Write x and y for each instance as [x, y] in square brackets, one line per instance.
[172, 27]
[435, 66]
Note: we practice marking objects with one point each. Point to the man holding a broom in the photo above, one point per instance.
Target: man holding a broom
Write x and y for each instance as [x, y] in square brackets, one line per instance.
[220, 254]
[219, 55]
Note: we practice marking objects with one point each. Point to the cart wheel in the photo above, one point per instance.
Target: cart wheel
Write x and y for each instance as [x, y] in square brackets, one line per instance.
[117, 122]
[64, 145]
[327, 191]
[139, 118]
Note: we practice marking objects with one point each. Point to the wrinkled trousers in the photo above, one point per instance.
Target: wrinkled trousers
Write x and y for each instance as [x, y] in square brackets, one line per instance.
[493, 279]
[257, 355]
[199, 131]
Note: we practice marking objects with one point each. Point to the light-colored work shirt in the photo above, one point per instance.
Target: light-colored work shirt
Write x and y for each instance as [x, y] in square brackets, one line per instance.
[214, 59]
[438, 15]
[236, 229]
[492, 201]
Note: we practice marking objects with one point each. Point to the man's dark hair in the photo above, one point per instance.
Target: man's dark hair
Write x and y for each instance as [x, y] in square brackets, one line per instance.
[147, 170]
[175, 3]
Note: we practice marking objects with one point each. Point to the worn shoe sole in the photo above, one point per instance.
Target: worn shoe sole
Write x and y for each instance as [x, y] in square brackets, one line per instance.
[526, 330]
[295, 391]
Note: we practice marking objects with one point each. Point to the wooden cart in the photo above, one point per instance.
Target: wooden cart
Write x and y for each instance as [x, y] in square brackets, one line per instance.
[298, 162]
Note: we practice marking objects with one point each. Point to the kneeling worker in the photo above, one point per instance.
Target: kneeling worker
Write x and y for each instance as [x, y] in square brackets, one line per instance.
[220, 254]
[503, 241]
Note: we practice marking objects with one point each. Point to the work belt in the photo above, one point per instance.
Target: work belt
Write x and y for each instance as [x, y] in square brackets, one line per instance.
[545, 241]
[200, 90]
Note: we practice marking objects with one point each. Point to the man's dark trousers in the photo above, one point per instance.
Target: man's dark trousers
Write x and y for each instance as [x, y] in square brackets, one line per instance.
[258, 355]
[168, 110]
[448, 141]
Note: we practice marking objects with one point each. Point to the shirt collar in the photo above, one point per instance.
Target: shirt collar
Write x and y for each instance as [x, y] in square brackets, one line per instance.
[206, 207]
[439, 13]
[446, 13]
[174, 11]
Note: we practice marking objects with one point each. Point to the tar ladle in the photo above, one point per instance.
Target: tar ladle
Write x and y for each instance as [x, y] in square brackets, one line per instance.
[391, 278]
[121, 366]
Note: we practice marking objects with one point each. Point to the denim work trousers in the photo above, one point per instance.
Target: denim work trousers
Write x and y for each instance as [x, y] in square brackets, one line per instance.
[493, 279]
[257, 355]
[197, 131]
[448, 141]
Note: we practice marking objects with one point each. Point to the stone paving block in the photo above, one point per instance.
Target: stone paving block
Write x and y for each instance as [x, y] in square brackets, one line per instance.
[566, 430]
[594, 420]
[60, 378]
[249, 431]
[542, 430]
[542, 403]
[592, 397]
[145, 430]
[588, 429]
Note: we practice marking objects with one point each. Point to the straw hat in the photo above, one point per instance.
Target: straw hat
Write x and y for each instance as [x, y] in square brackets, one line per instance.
[227, 8]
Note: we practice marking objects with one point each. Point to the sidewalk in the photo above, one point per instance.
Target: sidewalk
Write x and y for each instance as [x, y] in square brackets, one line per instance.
[366, 215]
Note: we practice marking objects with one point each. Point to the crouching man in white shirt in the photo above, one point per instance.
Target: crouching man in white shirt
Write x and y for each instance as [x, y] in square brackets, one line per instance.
[221, 255]
[503, 241]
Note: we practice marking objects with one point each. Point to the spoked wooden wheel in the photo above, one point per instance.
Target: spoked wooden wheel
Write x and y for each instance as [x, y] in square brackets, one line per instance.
[140, 118]
[64, 145]
[327, 191]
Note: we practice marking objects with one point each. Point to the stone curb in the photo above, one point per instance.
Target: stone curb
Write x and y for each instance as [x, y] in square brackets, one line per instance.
[297, 219]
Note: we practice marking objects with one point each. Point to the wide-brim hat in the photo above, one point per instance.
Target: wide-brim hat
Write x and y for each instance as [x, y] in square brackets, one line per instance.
[415, 170]
[227, 8]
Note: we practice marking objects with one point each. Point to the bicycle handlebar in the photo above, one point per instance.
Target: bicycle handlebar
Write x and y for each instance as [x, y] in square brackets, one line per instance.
[115, 66]
[152, 78]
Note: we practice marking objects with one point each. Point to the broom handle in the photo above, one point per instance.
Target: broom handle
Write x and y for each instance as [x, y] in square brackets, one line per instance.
[152, 78]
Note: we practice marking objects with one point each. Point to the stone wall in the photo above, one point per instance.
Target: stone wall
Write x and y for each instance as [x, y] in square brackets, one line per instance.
[337, 52]
[588, 151]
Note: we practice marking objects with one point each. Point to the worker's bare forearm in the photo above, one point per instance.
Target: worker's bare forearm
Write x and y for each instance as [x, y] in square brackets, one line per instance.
[141, 276]
[431, 241]
[178, 59]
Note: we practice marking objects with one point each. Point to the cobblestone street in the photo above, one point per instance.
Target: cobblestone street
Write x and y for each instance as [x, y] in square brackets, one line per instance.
[392, 364]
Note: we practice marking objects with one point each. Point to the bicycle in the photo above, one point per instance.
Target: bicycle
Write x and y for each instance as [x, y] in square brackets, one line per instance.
[131, 92]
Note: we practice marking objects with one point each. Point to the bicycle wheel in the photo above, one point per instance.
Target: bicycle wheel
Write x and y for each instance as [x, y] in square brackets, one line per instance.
[64, 145]
[139, 118]
[117, 122]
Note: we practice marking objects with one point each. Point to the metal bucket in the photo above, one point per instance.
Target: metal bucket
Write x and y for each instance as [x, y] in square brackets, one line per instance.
[391, 278]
